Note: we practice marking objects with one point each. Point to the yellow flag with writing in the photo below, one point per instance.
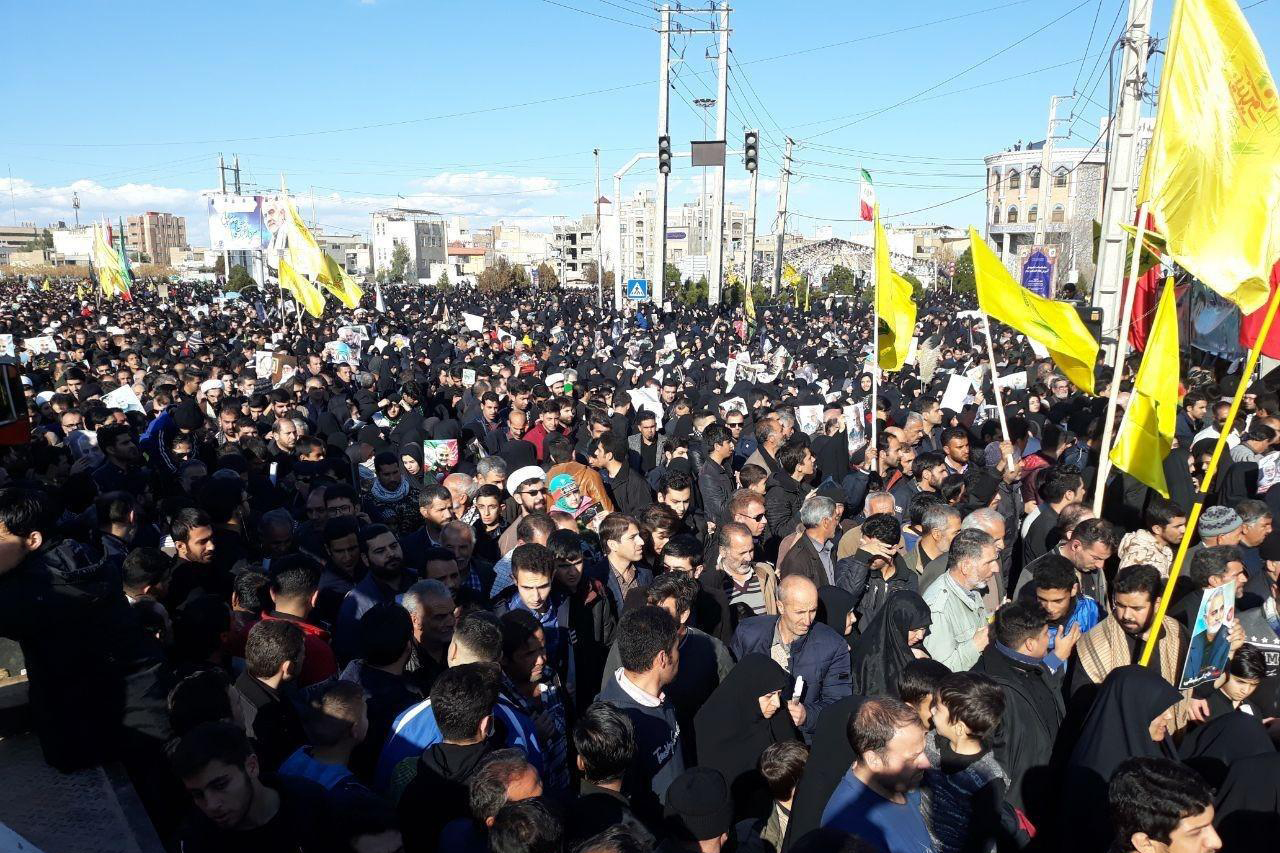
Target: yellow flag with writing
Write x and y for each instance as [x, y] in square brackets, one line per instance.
[893, 305]
[1055, 325]
[1212, 173]
[1146, 433]
[308, 296]
[335, 280]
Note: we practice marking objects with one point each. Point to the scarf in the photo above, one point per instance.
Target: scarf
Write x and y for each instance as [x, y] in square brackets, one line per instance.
[1105, 648]
[382, 495]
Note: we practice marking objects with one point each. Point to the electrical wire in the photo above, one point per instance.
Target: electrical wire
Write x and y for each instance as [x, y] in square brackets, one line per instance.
[596, 15]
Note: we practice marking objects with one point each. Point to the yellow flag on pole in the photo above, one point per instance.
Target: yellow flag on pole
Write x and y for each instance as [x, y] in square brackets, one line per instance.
[304, 253]
[893, 305]
[335, 280]
[1054, 325]
[1146, 433]
[308, 296]
[1212, 174]
[107, 265]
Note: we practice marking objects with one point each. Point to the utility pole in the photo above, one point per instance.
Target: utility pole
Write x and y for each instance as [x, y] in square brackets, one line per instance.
[751, 230]
[717, 210]
[599, 248]
[780, 224]
[75, 203]
[1119, 202]
[1046, 176]
[657, 282]
[222, 183]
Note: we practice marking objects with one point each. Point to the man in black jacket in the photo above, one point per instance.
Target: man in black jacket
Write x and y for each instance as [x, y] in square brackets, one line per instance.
[273, 656]
[626, 488]
[606, 745]
[94, 671]
[787, 490]
[462, 699]
[1033, 705]
[715, 477]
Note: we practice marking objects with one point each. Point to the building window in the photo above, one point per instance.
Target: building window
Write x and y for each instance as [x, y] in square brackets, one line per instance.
[1060, 178]
[995, 215]
[1058, 214]
[1032, 213]
[1015, 180]
[1035, 179]
[995, 177]
[1012, 218]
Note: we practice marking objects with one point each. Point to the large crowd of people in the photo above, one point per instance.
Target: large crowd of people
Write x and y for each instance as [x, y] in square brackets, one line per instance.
[510, 572]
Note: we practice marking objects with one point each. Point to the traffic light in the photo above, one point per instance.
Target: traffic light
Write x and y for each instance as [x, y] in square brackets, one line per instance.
[751, 150]
[664, 154]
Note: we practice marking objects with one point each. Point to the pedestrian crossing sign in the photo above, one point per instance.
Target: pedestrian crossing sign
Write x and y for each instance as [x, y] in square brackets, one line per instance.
[638, 289]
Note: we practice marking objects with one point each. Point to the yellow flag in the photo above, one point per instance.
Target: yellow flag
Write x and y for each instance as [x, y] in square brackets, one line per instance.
[46, 286]
[893, 306]
[107, 265]
[1212, 173]
[1055, 325]
[749, 306]
[305, 255]
[79, 292]
[304, 291]
[335, 280]
[1146, 433]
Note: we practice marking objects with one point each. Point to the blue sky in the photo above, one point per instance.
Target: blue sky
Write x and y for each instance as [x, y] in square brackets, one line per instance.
[361, 102]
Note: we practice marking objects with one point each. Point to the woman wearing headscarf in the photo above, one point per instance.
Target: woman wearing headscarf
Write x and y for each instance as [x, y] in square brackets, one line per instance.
[411, 467]
[835, 609]
[888, 643]
[1130, 718]
[1248, 805]
[1211, 749]
[743, 716]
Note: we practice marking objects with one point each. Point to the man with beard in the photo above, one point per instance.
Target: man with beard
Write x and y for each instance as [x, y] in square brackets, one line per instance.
[381, 555]
[1056, 590]
[123, 471]
[1119, 639]
[240, 806]
[878, 799]
[431, 611]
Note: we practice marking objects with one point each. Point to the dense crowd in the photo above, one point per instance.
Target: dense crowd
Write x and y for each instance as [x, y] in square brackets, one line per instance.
[512, 573]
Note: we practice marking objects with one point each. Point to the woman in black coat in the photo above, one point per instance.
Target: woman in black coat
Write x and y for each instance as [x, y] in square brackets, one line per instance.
[889, 642]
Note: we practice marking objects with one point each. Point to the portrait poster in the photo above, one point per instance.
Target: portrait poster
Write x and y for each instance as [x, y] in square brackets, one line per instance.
[1210, 645]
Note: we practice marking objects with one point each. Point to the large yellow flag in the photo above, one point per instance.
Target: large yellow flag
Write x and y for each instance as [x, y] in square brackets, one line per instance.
[1146, 433]
[335, 280]
[1212, 173]
[107, 265]
[304, 253]
[308, 296]
[1055, 325]
[893, 306]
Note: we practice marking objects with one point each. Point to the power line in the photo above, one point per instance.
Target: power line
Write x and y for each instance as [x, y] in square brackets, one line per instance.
[958, 74]
[596, 15]
[1088, 44]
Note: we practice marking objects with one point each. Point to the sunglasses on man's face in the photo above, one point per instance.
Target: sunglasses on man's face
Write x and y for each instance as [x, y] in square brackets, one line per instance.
[534, 492]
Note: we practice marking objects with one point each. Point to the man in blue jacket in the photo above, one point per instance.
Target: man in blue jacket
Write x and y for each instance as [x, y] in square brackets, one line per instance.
[804, 648]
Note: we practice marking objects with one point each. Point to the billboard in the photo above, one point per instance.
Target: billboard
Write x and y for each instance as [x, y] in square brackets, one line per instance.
[245, 222]
[1037, 271]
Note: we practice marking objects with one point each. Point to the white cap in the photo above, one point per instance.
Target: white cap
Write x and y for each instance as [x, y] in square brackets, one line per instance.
[523, 475]
[211, 385]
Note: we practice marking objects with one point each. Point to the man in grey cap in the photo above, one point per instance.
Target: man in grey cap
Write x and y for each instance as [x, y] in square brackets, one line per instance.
[1219, 525]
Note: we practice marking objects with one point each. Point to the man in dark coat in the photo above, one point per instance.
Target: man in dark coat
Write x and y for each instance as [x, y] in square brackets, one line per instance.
[1024, 740]
[787, 490]
[626, 488]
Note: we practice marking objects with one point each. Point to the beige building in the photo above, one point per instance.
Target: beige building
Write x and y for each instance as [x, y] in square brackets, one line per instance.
[468, 260]
[573, 246]
[154, 234]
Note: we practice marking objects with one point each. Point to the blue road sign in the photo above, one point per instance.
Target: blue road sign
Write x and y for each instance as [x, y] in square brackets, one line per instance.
[638, 289]
[1037, 274]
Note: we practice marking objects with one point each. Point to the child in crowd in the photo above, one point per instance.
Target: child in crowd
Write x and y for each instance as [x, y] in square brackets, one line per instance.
[917, 685]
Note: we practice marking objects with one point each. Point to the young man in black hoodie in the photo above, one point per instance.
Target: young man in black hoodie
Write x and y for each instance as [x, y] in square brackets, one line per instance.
[273, 657]
[462, 699]
[240, 807]
[606, 745]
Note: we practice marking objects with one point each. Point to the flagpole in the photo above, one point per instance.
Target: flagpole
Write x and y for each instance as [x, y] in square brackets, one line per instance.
[1122, 346]
[1207, 479]
[875, 337]
[995, 387]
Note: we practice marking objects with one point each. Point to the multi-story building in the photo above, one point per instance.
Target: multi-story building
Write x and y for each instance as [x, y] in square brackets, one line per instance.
[150, 236]
[1073, 204]
[467, 260]
[351, 251]
[424, 235]
[18, 236]
[573, 246]
[519, 245]
[688, 240]
[194, 259]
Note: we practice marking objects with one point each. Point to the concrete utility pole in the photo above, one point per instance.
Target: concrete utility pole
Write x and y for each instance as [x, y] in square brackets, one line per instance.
[1119, 203]
[716, 279]
[222, 183]
[1046, 176]
[749, 278]
[780, 224]
[599, 247]
[657, 280]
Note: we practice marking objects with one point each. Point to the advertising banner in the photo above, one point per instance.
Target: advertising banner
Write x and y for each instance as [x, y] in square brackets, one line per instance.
[235, 223]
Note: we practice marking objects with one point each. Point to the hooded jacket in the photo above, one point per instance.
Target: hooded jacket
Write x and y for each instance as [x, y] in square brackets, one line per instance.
[438, 793]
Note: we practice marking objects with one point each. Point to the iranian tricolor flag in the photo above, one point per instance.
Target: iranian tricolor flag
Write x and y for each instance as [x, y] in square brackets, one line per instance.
[867, 196]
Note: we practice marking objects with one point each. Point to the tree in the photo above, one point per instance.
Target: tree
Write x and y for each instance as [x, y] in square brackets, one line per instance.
[589, 272]
[917, 287]
[240, 279]
[693, 292]
[519, 276]
[219, 266]
[399, 261]
[964, 281]
[670, 278]
[841, 280]
[442, 283]
[547, 278]
[500, 276]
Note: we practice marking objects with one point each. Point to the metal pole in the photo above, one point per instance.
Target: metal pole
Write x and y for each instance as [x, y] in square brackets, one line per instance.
[875, 345]
[1046, 163]
[1121, 170]
[1122, 344]
[717, 205]
[995, 388]
[658, 280]
[599, 247]
[617, 224]
[780, 224]
[751, 233]
[222, 182]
